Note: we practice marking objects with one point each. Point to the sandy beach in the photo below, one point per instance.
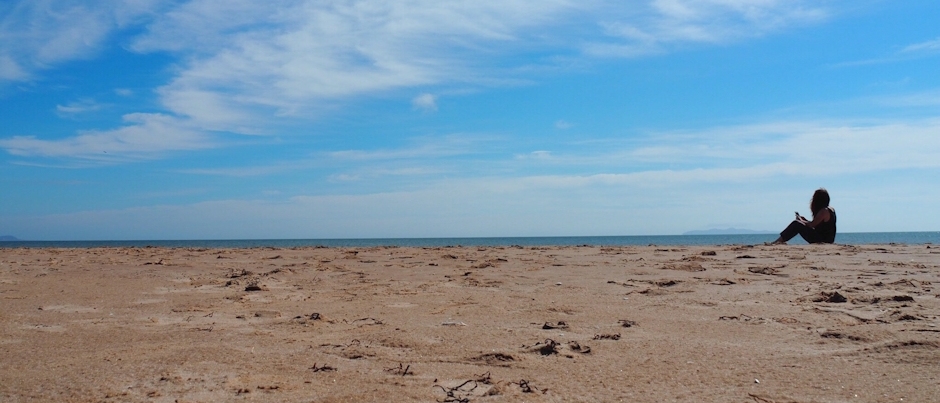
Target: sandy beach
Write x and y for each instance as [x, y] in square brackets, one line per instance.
[802, 323]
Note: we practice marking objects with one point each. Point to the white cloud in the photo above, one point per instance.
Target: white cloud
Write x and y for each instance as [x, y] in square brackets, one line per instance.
[644, 29]
[420, 148]
[11, 70]
[36, 35]
[801, 149]
[78, 107]
[806, 148]
[211, 110]
[644, 203]
[247, 171]
[245, 63]
[425, 102]
[145, 136]
[923, 47]
[293, 59]
[721, 155]
[909, 52]
[422, 156]
[297, 58]
[542, 155]
[757, 174]
[911, 100]
[283, 54]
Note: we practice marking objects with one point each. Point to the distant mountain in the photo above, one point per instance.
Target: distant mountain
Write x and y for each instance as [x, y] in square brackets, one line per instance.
[8, 238]
[726, 231]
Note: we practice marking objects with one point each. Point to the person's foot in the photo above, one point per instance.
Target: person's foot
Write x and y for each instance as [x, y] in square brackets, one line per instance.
[777, 241]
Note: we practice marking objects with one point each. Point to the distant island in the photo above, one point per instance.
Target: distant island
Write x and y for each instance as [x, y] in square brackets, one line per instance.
[726, 231]
[8, 238]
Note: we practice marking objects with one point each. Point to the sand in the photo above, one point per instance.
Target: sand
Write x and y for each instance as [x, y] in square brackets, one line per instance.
[810, 323]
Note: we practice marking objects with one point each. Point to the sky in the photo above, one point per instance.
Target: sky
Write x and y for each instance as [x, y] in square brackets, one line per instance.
[240, 119]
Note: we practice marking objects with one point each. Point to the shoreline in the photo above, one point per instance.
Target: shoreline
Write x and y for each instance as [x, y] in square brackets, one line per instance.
[856, 238]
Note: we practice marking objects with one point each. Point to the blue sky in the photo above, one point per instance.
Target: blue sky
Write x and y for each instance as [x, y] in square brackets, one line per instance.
[212, 119]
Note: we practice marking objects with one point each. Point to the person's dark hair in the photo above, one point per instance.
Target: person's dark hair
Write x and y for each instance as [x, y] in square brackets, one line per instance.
[820, 200]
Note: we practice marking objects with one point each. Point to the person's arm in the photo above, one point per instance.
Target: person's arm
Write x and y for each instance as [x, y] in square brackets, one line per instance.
[820, 218]
[801, 218]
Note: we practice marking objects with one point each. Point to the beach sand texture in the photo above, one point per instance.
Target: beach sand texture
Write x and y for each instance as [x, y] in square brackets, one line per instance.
[802, 323]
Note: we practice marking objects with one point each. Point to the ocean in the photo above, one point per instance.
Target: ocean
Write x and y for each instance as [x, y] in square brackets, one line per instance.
[850, 238]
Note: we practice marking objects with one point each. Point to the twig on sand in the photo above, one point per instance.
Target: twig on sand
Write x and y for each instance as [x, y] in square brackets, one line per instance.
[452, 392]
[526, 388]
[484, 378]
[400, 370]
[322, 368]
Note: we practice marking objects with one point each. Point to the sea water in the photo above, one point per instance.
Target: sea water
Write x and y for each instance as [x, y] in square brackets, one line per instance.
[850, 238]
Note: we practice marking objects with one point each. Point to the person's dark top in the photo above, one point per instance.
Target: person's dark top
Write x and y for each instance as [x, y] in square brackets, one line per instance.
[827, 230]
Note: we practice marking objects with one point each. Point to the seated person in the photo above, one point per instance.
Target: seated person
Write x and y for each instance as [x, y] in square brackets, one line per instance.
[822, 229]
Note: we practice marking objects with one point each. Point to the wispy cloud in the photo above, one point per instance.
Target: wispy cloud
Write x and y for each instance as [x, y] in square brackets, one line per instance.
[77, 108]
[538, 155]
[436, 147]
[244, 64]
[909, 52]
[144, 136]
[803, 148]
[295, 58]
[247, 171]
[760, 195]
[661, 25]
[309, 49]
[38, 34]
[421, 156]
[752, 152]
[11, 69]
[910, 100]
[757, 151]
[425, 102]
[754, 171]
[928, 47]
